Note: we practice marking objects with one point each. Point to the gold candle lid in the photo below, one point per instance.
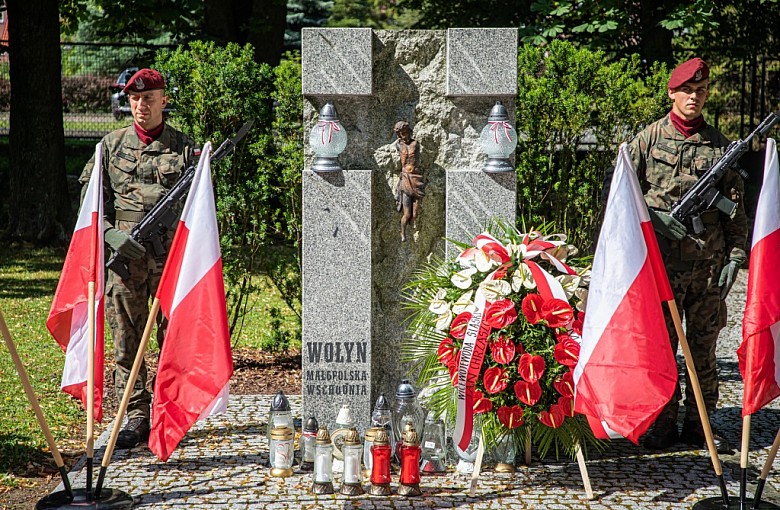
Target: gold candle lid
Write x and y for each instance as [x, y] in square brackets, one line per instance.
[352, 438]
[380, 438]
[410, 438]
[323, 436]
[281, 433]
[371, 434]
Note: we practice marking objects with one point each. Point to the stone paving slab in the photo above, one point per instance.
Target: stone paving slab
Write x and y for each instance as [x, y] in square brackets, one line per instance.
[222, 464]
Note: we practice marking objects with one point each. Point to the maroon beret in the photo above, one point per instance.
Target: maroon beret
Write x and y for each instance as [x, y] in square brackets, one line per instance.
[694, 69]
[145, 79]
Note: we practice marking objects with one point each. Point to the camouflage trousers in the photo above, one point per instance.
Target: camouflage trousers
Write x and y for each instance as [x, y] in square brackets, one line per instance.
[127, 311]
[697, 295]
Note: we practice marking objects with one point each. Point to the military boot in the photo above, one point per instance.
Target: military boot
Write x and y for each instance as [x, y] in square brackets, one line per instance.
[133, 433]
[693, 434]
[663, 435]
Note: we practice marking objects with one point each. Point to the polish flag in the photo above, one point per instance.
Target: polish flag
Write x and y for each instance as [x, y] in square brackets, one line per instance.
[759, 354]
[626, 371]
[196, 361]
[68, 321]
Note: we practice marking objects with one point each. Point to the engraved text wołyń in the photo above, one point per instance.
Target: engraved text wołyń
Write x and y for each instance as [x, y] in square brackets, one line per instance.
[335, 380]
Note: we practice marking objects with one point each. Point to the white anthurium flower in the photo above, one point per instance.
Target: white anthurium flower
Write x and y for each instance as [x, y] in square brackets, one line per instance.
[443, 321]
[584, 277]
[522, 277]
[438, 304]
[495, 289]
[483, 262]
[569, 282]
[462, 279]
[463, 303]
[582, 295]
[516, 249]
[560, 252]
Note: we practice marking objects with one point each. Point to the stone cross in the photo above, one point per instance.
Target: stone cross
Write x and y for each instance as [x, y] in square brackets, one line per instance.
[443, 83]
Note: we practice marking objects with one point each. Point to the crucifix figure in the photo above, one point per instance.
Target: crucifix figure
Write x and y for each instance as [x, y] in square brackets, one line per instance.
[411, 187]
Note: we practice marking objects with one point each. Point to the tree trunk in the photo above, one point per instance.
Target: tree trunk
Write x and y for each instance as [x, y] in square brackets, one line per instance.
[656, 41]
[39, 205]
[260, 23]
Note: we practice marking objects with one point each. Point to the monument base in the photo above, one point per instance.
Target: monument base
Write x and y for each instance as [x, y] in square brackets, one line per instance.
[109, 498]
[717, 503]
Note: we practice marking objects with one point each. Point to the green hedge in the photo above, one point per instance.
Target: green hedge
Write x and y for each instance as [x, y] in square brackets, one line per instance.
[574, 108]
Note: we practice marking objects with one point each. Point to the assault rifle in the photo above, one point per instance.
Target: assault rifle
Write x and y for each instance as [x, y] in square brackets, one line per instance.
[703, 194]
[164, 214]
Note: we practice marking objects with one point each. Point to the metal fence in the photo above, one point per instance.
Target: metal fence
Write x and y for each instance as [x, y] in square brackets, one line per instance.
[92, 77]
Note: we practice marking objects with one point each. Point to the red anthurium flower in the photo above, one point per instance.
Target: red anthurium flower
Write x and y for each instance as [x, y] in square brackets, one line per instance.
[482, 404]
[532, 308]
[567, 352]
[565, 385]
[528, 393]
[530, 367]
[554, 417]
[510, 417]
[499, 273]
[561, 336]
[459, 325]
[495, 380]
[576, 326]
[447, 351]
[453, 368]
[567, 405]
[557, 312]
[501, 313]
[519, 348]
[502, 349]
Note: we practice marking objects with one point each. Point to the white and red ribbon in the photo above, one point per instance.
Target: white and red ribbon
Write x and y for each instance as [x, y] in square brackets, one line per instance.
[495, 124]
[471, 357]
[331, 126]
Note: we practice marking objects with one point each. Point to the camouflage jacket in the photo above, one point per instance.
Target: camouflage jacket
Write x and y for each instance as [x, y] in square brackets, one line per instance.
[135, 175]
[668, 164]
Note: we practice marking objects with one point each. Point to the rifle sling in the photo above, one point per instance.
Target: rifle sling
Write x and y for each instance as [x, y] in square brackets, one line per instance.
[131, 216]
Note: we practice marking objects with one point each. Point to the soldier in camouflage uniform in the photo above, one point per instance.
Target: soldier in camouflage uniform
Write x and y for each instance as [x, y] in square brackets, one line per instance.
[140, 163]
[669, 156]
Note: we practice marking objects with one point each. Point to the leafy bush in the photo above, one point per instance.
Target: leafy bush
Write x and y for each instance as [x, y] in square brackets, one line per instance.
[86, 93]
[258, 188]
[574, 108]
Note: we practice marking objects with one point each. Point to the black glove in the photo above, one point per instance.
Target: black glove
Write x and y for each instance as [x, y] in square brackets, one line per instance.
[121, 242]
[728, 274]
[667, 225]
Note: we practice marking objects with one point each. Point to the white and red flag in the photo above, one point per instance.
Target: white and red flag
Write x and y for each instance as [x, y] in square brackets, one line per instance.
[68, 317]
[626, 371]
[759, 354]
[195, 361]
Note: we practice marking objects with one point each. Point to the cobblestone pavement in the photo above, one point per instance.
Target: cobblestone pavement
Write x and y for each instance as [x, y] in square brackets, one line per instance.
[222, 464]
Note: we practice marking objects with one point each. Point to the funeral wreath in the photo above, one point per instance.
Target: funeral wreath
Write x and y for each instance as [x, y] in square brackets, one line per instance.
[530, 291]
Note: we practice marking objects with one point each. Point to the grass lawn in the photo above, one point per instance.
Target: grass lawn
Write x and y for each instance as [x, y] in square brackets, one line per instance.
[28, 279]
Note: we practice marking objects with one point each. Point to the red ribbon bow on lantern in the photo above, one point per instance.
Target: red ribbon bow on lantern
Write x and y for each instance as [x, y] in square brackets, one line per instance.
[495, 124]
[332, 125]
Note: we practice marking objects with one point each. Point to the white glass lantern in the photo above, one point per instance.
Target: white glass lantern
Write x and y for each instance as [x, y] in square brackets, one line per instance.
[323, 463]
[353, 453]
[498, 140]
[327, 139]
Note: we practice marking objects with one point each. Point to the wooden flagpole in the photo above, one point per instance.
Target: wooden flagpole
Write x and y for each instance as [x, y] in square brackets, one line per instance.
[703, 416]
[765, 471]
[90, 446]
[477, 467]
[743, 459]
[584, 471]
[28, 390]
[126, 396]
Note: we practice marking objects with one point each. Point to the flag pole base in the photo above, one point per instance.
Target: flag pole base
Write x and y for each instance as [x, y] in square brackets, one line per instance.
[716, 503]
[109, 499]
